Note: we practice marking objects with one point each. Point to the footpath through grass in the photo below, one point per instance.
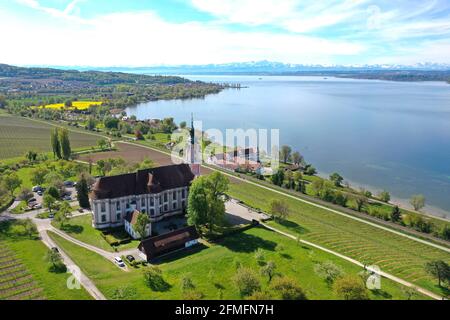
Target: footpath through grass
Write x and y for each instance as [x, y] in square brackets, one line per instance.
[212, 267]
[81, 228]
[397, 255]
[29, 267]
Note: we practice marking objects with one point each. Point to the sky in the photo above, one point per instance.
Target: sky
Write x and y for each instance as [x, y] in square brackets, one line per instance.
[173, 32]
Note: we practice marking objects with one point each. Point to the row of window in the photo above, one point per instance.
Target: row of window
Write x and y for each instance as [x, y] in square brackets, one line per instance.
[152, 202]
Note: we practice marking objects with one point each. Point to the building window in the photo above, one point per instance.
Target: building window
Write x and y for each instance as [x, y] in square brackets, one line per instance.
[166, 208]
[103, 217]
[165, 197]
[118, 217]
[128, 205]
[152, 212]
[152, 201]
[174, 195]
[102, 207]
[174, 205]
[143, 202]
[117, 205]
[160, 199]
[183, 204]
[144, 211]
[183, 193]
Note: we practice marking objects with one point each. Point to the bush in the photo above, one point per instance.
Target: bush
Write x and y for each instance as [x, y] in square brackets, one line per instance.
[154, 280]
[246, 281]
[288, 289]
[350, 288]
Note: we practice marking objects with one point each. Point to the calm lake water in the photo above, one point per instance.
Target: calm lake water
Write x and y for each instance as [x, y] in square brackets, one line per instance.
[377, 134]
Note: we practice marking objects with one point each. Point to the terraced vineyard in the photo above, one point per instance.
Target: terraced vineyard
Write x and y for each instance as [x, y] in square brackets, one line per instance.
[395, 254]
[16, 283]
[18, 135]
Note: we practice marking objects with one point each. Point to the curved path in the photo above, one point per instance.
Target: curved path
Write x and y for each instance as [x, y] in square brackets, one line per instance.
[381, 273]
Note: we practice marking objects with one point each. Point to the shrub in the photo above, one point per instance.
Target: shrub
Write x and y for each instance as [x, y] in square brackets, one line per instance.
[288, 289]
[350, 288]
[246, 281]
[154, 280]
[260, 256]
[328, 271]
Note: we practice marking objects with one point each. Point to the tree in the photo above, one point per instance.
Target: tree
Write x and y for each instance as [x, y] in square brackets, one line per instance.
[350, 288]
[30, 228]
[288, 289]
[279, 208]
[31, 155]
[68, 103]
[278, 178]
[38, 175]
[111, 123]
[438, 269]
[246, 281]
[91, 123]
[417, 201]
[310, 170]
[260, 295]
[153, 278]
[337, 179]
[102, 144]
[187, 284]
[360, 201]
[56, 147]
[141, 225]
[64, 141]
[206, 202]
[25, 194]
[83, 191]
[64, 213]
[297, 158]
[53, 191]
[285, 153]
[138, 134]
[269, 270]
[183, 125]
[260, 256]
[55, 260]
[48, 201]
[11, 182]
[396, 215]
[328, 270]
[385, 196]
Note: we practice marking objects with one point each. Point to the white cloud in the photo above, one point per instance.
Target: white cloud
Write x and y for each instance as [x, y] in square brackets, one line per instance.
[143, 38]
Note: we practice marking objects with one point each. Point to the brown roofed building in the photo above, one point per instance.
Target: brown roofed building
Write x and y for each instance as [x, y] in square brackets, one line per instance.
[156, 246]
[160, 192]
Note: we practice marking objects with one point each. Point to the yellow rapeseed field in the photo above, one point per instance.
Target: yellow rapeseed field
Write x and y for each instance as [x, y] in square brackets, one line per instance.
[80, 105]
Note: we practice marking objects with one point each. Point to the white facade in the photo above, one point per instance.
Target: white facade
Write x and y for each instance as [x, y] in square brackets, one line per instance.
[109, 213]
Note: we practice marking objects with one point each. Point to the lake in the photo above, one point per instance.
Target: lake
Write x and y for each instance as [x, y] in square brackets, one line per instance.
[376, 134]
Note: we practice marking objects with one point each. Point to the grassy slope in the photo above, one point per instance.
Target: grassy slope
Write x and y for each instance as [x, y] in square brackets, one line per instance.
[395, 254]
[294, 261]
[18, 135]
[32, 254]
[81, 228]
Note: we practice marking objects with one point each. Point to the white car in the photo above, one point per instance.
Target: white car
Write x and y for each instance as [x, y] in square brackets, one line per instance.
[119, 262]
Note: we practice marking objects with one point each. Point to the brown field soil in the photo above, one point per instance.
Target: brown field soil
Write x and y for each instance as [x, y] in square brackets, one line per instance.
[134, 154]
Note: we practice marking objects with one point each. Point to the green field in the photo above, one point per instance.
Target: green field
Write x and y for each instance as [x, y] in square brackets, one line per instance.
[395, 254]
[24, 272]
[19, 135]
[211, 268]
[81, 229]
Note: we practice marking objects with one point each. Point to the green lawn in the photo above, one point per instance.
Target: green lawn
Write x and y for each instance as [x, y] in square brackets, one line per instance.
[400, 256]
[18, 135]
[81, 228]
[31, 254]
[211, 268]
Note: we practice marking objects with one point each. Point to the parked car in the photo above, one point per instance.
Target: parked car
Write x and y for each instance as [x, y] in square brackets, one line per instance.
[32, 200]
[37, 206]
[130, 258]
[37, 188]
[51, 215]
[68, 183]
[119, 262]
[67, 198]
[39, 193]
[80, 210]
